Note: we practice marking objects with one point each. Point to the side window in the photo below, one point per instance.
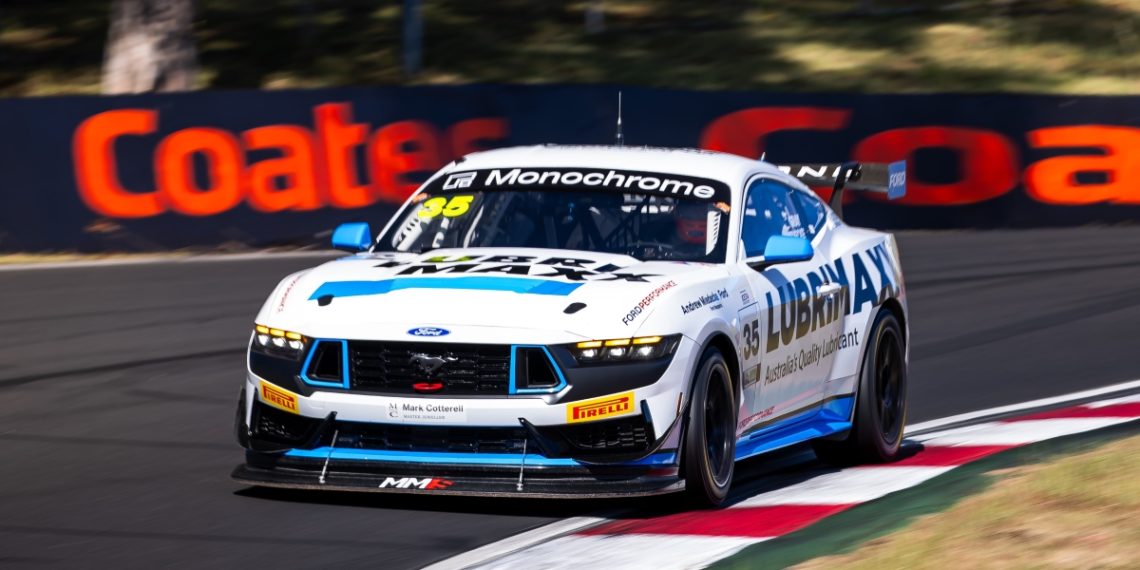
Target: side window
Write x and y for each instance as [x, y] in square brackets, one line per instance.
[768, 211]
[812, 210]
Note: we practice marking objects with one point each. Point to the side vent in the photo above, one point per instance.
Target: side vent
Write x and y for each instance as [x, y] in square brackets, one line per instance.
[533, 369]
[327, 362]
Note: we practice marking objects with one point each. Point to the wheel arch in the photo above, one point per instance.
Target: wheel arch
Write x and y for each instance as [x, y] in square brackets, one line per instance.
[727, 348]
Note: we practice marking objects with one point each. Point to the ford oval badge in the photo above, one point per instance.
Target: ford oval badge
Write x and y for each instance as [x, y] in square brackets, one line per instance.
[428, 331]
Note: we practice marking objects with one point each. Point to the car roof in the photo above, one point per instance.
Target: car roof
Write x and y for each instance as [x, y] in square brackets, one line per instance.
[728, 168]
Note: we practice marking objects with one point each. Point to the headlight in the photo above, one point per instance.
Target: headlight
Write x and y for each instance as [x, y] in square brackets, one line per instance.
[624, 349]
[277, 342]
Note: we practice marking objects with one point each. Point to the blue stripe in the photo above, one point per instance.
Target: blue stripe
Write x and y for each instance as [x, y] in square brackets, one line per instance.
[480, 283]
[460, 458]
[811, 424]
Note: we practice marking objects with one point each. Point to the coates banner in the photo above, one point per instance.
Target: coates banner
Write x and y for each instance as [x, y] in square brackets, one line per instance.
[274, 167]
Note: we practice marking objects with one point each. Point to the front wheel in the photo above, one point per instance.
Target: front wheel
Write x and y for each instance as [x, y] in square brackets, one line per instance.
[880, 406]
[709, 453]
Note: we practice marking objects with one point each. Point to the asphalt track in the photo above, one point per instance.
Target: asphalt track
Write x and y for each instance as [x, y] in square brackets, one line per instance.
[118, 384]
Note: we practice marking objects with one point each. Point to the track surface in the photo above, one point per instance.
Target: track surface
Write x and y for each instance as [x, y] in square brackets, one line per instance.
[118, 384]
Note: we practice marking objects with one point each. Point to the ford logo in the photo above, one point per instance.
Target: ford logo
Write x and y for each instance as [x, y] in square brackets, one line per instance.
[428, 331]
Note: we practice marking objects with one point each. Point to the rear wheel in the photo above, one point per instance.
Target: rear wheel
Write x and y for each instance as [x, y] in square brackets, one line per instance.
[880, 407]
[710, 433]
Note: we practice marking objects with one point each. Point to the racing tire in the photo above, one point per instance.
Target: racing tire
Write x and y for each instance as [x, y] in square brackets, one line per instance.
[880, 407]
[709, 452]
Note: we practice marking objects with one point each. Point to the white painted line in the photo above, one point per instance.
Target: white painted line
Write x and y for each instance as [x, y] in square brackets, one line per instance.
[976, 415]
[846, 487]
[658, 552]
[1133, 399]
[171, 258]
[515, 543]
[1017, 432]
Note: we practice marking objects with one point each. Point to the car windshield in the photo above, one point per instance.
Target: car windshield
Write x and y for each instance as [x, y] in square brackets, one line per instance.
[647, 226]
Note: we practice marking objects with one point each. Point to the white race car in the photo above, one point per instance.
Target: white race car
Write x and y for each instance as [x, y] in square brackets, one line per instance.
[584, 321]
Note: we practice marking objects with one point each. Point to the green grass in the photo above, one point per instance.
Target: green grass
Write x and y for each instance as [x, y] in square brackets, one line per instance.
[1079, 511]
[1047, 46]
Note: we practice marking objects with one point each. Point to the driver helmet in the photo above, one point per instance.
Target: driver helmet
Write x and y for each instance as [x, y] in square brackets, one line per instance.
[692, 220]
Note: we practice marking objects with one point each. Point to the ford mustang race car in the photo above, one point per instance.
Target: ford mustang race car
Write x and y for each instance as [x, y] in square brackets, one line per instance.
[562, 321]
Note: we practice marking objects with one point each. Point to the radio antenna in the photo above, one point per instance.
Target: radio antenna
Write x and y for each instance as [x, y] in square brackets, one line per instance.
[620, 138]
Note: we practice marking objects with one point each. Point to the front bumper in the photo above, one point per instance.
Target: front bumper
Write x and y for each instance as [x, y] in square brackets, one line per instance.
[619, 457]
[359, 442]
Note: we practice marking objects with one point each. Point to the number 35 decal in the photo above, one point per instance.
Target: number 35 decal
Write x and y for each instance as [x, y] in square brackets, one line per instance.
[456, 206]
[751, 339]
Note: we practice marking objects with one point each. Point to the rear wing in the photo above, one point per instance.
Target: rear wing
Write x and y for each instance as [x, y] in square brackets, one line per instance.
[883, 178]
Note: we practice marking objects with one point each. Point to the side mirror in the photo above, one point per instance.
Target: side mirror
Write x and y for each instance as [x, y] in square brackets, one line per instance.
[354, 237]
[782, 249]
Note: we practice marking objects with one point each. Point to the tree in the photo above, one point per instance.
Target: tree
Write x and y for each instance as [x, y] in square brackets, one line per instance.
[150, 47]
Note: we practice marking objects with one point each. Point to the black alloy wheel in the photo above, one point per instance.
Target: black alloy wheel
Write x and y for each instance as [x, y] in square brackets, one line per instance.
[880, 402]
[709, 454]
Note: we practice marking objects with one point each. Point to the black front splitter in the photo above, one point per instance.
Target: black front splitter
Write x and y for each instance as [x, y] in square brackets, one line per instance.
[441, 480]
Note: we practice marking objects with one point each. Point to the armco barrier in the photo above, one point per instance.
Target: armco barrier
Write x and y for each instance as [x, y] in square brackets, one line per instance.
[265, 167]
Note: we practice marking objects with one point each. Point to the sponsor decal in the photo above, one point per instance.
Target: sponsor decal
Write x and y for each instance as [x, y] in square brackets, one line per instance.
[600, 408]
[745, 298]
[810, 356]
[428, 331]
[424, 483]
[570, 269]
[640, 307]
[461, 180]
[766, 412]
[285, 293]
[269, 168]
[751, 376]
[426, 411]
[279, 398]
[711, 300]
[626, 181]
[800, 310]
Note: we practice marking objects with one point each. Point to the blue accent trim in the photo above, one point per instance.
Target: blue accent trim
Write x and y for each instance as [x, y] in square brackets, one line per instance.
[473, 283]
[896, 180]
[811, 424]
[838, 409]
[353, 236]
[513, 387]
[666, 458]
[343, 365]
[785, 248]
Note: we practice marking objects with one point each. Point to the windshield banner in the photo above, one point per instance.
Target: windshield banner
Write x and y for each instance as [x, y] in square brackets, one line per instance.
[625, 181]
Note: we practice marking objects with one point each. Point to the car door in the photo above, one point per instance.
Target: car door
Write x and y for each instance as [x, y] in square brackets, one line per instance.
[797, 312]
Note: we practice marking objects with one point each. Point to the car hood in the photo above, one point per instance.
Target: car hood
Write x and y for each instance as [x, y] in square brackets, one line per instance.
[477, 295]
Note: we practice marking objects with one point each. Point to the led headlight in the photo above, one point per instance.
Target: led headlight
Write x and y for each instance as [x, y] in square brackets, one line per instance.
[277, 342]
[624, 349]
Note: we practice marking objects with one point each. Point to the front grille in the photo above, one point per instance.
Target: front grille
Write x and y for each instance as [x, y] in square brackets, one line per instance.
[431, 438]
[274, 425]
[623, 435]
[463, 369]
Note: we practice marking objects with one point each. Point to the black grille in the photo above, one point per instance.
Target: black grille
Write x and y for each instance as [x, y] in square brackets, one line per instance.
[462, 369]
[274, 425]
[626, 435]
[430, 438]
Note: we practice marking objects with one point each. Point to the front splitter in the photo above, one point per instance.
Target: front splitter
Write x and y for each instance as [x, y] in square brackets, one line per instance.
[434, 480]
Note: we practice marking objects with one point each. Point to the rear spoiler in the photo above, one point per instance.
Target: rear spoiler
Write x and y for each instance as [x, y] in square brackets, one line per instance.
[889, 179]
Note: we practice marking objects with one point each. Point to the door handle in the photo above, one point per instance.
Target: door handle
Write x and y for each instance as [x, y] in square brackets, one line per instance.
[829, 289]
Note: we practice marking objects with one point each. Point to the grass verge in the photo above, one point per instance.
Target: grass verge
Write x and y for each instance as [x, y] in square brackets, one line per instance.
[1079, 511]
[873, 522]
